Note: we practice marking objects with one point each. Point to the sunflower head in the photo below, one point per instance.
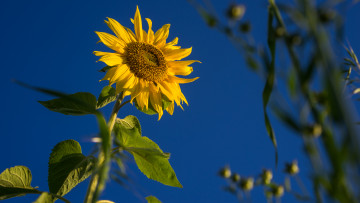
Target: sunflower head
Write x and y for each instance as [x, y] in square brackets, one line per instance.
[144, 66]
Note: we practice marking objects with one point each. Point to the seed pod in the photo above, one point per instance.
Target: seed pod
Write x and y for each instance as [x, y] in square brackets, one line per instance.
[292, 168]
[247, 184]
[278, 191]
[235, 177]
[225, 172]
[266, 177]
[236, 11]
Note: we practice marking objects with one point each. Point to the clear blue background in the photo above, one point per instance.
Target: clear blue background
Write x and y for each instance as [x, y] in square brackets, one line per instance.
[50, 44]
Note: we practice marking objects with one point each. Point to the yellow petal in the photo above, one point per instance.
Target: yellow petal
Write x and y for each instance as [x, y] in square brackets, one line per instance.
[155, 100]
[166, 91]
[130, 82]
[181, 63]
[118, 29]
[143, 99]
[110, 73]
[177, 54]
[171, 88]
[175, 79]
[170, 108]
[185, 70]
[131, 35]
[114, 73]
[145, 36]
[121, 81]
[111, 41]
[173, 42]
[162, 34]
[138, 25]
[150, 36]
[111, 59]
[101, 53]
[136, 89]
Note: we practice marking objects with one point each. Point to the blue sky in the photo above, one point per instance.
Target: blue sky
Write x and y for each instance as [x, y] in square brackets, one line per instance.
[50, 44]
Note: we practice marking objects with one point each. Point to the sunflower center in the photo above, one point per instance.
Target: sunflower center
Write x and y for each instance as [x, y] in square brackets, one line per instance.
[146, 61]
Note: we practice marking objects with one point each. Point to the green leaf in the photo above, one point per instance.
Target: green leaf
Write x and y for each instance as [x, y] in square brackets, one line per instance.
[125, 128]
[270, 80]
[152, 199]
[151, 110]
[44, 198]
[15, 181]
[150, 159]
[68, 167]
[252, 63]
[106, 68]
[77, 104]
[107, 95]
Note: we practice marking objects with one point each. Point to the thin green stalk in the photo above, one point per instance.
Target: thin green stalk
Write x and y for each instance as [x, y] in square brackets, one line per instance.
[54, 195]
[327, 138]
[98, 179]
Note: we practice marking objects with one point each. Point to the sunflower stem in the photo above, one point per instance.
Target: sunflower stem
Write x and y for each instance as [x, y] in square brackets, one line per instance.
[96, 186]
[115, 111]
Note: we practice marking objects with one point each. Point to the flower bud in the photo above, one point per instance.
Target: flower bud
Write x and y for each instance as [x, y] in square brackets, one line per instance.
[278, 191]
[313, 130]
[292, 168]
[247, 184]
[236, 11]
[225, 172]
[266, 177]
[235, 177]
[279, 31]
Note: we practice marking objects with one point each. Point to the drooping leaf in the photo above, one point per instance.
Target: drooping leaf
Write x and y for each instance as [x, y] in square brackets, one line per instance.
[152, 199]
[68, 167]
[44, 198]
[107, 95]
[150, 159]
[15, 181]
[74, 104]
[77, 104]
[125, 128]
[270, 80]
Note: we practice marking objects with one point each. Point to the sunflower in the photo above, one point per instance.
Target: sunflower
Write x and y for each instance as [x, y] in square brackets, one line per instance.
[144, 65]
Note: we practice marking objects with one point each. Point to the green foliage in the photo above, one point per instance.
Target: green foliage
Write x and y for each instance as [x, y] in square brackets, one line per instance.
[107, 95]
[152, 199]
[68, 167]
[77, 104]
[270, 80]
[103, 165]
[106, 68]
[15, 181]
[44, 198]
[151, 110]
[150, 159]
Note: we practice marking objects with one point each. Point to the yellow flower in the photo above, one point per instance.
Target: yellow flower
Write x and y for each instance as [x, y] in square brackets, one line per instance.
[144, 65]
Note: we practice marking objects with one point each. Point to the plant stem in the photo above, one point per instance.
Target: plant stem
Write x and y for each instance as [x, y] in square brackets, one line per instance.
[54, 195]
[115, 111]
[99, 177]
